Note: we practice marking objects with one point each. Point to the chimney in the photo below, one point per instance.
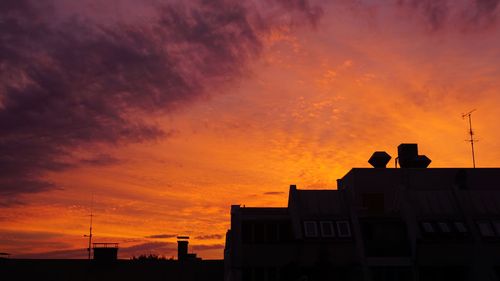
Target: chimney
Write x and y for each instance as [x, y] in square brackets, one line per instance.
[182, 247]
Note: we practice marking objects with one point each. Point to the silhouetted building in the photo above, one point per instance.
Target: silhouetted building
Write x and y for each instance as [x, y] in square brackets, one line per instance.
[122, 270]
[105, 251]
[412, 223]
[182, 249]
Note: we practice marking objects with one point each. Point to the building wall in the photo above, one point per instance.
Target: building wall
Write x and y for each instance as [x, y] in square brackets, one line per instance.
[404, 224]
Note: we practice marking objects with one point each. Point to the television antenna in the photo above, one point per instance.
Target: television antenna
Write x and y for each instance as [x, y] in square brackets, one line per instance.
[89, 249]
[471, 133]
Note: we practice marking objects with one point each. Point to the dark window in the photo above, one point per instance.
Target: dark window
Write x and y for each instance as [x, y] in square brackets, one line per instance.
[430, 230]
[485, 229]
[444, 230]
[444, 227]
[266, 231]
[496, 226]
[427, 227]
[327, 229]
[310, 229]
[460, 227]
[344, 229]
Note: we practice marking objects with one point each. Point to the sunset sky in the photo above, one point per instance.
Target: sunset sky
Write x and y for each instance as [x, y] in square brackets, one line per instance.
[167, 112]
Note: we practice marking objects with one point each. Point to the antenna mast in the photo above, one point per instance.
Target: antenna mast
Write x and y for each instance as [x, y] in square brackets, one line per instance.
[471, 133]
[89, 249]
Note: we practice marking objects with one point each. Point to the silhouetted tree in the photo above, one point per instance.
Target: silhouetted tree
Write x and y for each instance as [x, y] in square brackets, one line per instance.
[150, 257]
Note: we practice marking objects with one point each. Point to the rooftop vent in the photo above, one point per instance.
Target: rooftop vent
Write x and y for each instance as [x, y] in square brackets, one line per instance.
[379, 159]
[408, 156]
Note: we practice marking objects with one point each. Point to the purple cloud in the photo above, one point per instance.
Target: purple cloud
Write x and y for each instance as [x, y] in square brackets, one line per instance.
[70, 82]
[467, 15]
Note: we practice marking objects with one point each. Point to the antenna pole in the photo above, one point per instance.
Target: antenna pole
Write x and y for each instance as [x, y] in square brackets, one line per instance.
[90, 229]
[471, 133]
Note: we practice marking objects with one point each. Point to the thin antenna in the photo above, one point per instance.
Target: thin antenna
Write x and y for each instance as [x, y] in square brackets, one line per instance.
[471, 133]
[89, 249]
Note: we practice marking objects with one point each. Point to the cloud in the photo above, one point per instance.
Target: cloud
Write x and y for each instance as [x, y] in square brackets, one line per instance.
[68, 82]
[60, 254]
[27, 235]
[304, 8]
[466, 15]
[100, 160]
[207, 247]
[161, 236]
[484, 12]
[209, 236]
[273, 193]
[434, 12]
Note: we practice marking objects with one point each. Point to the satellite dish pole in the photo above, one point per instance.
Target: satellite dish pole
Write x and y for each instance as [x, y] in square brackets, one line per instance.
[471, 133]
[89, 249]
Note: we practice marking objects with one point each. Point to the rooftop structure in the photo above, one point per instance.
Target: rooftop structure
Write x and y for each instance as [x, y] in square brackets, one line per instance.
[412, 223]
[105, 251]
[182, 250]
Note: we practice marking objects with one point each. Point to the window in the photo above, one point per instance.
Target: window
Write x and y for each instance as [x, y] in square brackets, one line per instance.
[444, 227]
[427, 227]
[310, 229]
[460, 226]
[327, 229]
[496, 225]
[344, 229]
[485, 228]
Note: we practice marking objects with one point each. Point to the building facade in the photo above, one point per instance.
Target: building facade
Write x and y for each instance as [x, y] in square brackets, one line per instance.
[409, 223]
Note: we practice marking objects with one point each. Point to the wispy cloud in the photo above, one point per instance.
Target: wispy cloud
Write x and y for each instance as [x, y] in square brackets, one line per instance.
[209, 237]
[208, 247]
[465, 15]
[273, 193]
[161, 236]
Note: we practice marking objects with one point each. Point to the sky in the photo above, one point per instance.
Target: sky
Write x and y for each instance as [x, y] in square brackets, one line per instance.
[159, 115]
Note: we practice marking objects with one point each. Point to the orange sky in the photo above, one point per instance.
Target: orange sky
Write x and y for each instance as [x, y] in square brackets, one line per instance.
[316, 102]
